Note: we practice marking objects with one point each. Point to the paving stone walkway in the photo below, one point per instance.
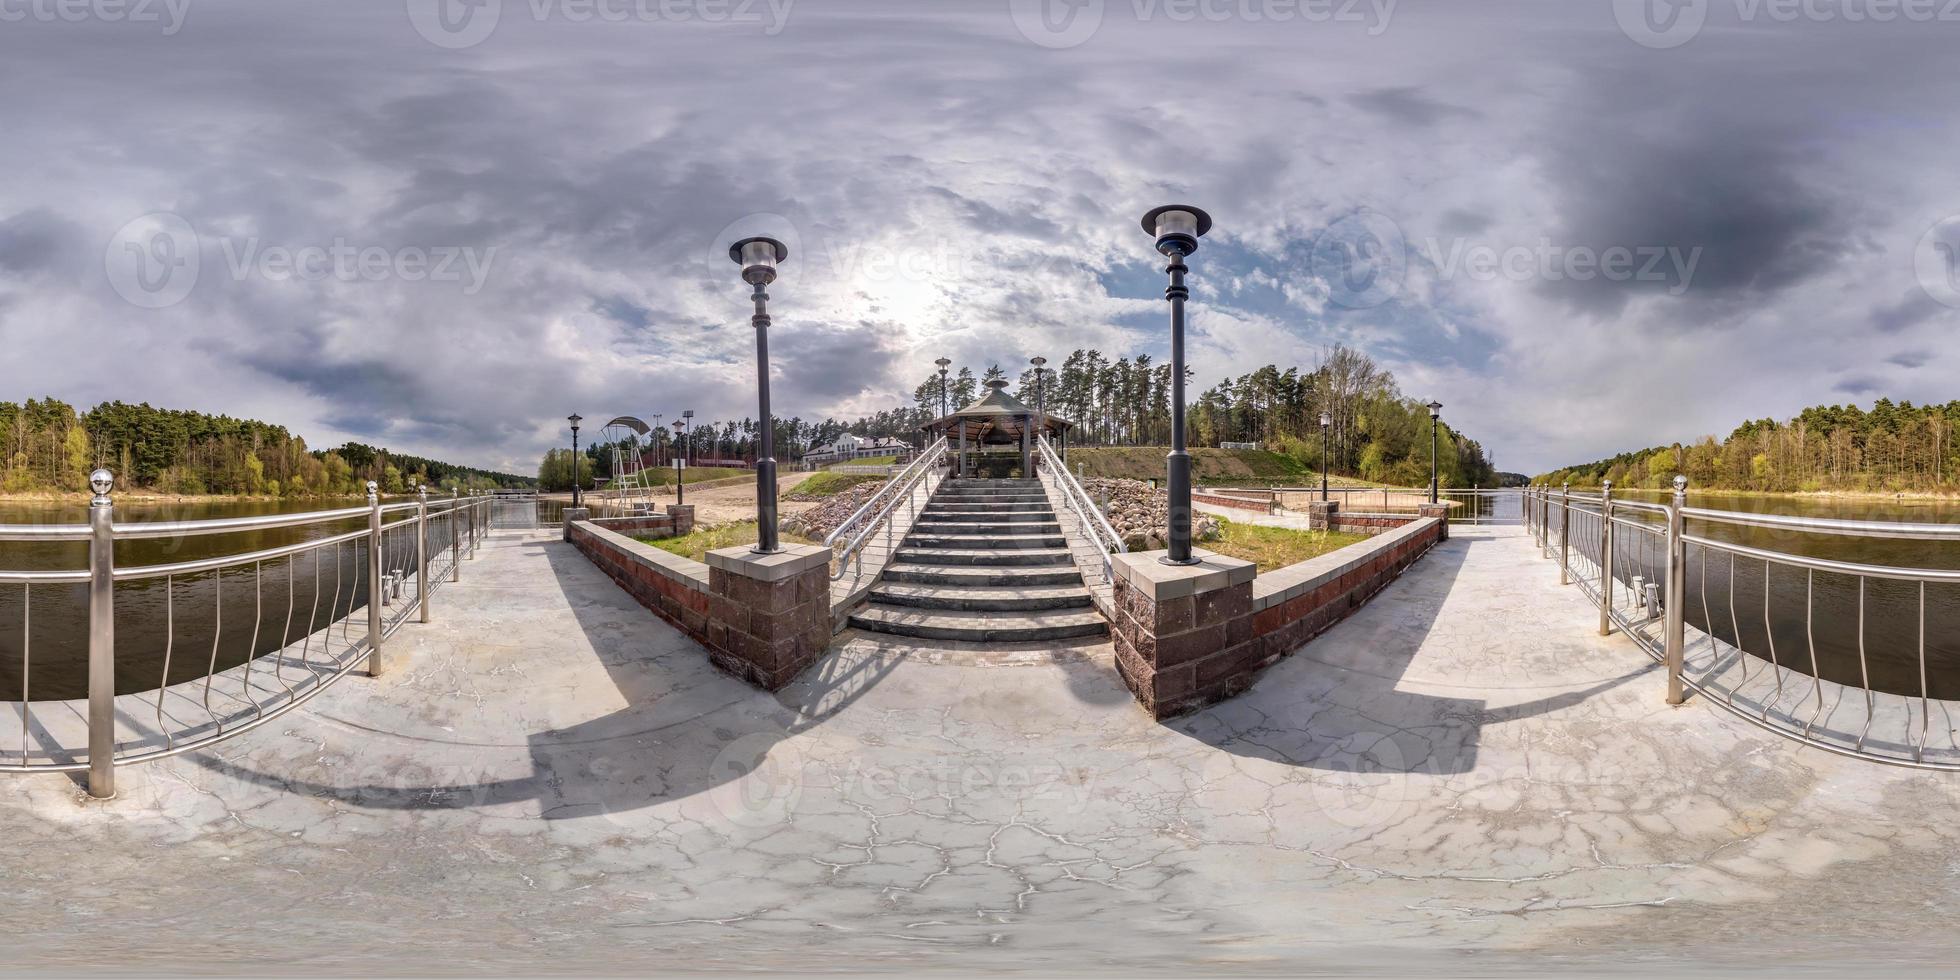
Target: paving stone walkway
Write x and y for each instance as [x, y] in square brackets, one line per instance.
[555, 781]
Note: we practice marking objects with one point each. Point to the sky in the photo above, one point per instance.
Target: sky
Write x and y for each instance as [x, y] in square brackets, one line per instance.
[1585, 226]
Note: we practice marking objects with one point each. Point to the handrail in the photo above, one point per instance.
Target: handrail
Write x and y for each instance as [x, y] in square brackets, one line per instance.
[1737, 629]
[1079, 502]
[896, 489]
[395, 561]
[938, 448]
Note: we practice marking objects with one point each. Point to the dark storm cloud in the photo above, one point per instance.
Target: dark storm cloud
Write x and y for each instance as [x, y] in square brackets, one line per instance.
[1409, 106]
[1916, 307]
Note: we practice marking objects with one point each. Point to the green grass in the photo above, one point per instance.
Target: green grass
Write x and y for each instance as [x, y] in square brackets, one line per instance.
[1275, 547]
[822, 485]
[706, 539]
[866, 461]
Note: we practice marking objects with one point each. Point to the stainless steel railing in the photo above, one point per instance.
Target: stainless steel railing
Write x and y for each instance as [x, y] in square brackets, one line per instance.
[1850, 657]
[1087, 514]
[210, 686]
[868, 518]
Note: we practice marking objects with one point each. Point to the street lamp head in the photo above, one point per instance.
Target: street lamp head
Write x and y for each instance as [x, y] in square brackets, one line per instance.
[1326, 420]
[1435, 410]
[678, 424]
[944, 363]
[758, 258]
[1037, 361]
[1177, 227]
[575, 419]
[688, 414]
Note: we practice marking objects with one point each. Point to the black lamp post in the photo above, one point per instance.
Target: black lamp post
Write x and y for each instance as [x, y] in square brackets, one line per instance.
[688, 417]
[1326, 422]
[1040, 403]
[758, 258]
[680, 454]
[943, 364]
[1178, 228]
[1435, 426]
[575, 419]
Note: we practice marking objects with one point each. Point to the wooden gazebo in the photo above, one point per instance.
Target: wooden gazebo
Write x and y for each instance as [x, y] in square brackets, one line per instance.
[997, 419]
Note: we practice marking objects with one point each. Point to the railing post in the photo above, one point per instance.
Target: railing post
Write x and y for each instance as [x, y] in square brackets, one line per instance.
[101, 638]
[1606, 558]
[1677, 589]
[1565, 536]
[456, 515]
[422, 550]
[376, 589]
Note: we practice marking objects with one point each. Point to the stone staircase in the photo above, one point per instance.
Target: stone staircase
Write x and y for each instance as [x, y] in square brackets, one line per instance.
[985, 562]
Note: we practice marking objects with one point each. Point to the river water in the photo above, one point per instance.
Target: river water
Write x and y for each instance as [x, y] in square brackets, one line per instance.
[204, 621]
[1791, 614]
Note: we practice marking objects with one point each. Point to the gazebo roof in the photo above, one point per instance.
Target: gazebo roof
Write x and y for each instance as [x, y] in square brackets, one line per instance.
[997, 412]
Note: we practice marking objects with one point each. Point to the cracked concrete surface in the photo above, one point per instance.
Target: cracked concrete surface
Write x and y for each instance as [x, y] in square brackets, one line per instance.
[1462, 776]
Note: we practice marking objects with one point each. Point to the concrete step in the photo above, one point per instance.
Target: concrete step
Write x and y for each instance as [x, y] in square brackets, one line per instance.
[991, 484]
[984, 528]
[982, 556]
[988, 507]
[993, 539]
[988, 516]
[989, 498]
[982, 598]
[979, 627]
[1004, 576]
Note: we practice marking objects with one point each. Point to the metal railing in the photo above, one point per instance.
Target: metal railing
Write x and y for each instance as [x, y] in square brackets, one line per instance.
[1835, 654]
[1087, 514]
[873, 514]
[224, 678]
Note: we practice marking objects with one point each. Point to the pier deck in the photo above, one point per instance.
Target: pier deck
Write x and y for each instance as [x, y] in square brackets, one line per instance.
[552, 779]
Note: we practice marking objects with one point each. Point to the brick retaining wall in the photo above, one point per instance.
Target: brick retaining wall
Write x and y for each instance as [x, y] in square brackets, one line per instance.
[1188, 637]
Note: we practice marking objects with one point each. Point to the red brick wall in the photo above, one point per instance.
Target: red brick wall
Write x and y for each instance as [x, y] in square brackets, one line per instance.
[1239, 503]
[1282, 628]
[683, 607]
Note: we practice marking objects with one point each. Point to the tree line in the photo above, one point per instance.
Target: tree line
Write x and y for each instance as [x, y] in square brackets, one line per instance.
[49, 446]
[1893, 447]
[1377, 432]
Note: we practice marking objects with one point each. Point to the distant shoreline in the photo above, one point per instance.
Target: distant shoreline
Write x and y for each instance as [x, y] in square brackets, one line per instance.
[1927, 496]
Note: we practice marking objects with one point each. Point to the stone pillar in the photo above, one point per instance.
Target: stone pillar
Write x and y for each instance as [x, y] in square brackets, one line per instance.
[683, 517]
[1441, 512]
[573, 515]
[1183, 633]
[1321, 514]
[768, 615]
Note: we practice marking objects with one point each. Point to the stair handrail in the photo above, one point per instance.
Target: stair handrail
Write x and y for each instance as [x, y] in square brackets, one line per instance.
[1086, 512]
[884, 502]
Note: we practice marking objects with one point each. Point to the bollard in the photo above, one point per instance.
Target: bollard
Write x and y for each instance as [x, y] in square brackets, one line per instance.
[375, 586]
[101, 638]
[1677, 588]
[1565, 536]
[1606, 558]
[456, 515]
[422, 551]
[1640, 593]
